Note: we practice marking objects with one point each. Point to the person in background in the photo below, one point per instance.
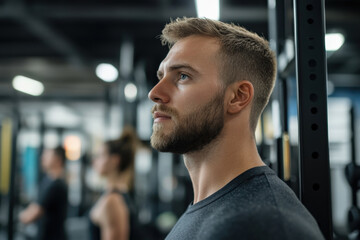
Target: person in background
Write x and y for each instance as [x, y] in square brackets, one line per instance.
[113, 216]
[51, 207]
[213, 85]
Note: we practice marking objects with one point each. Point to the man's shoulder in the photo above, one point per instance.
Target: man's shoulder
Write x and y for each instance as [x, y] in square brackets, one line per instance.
[56, 188]
[269, 204]
[259, 190]
[261, 196]
[259, 206]
[58, 183]
[260, 220]
[265, 187]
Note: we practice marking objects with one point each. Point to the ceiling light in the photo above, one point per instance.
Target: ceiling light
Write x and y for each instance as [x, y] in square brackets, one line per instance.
[130, 92]
[208, 9]
[333, 41]
[106, 72]
[28, 85]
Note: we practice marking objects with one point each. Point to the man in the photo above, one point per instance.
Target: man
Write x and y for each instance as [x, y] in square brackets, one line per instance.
[213, 85]
[51, 207]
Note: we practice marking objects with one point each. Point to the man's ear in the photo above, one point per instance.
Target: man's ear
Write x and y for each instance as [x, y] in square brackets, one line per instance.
[241, 95]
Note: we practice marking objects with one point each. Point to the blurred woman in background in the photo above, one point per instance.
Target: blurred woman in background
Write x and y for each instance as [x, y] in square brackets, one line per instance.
[113, 215]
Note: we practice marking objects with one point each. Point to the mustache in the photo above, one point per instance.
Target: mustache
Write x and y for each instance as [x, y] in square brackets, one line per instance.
[164, 109]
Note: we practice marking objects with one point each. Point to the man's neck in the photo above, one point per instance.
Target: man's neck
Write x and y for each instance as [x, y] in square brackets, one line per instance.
[221, 161]
[56, 173]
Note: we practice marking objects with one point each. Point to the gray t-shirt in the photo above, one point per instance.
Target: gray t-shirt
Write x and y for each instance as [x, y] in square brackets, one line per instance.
[254, 205]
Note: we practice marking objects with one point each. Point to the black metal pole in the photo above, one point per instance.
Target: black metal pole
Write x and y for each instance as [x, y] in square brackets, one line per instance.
[311, 76]
[13, 167]
[108, 102]
[41, 148]
[277, 13]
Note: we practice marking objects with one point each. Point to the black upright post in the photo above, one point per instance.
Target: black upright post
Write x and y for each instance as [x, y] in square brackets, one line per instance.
[13, 167]
[42, 130]
[353, 163]
[309, 21]
[277, 33]
[108, 102]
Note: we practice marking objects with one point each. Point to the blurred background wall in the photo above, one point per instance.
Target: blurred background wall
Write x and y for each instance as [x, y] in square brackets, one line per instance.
[94, 62]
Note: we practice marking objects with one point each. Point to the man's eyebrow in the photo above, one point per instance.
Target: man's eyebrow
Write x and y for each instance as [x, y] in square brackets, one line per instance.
[186, 66]
[174, 67]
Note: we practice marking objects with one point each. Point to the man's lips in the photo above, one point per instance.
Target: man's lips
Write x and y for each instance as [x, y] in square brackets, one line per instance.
[159, 116]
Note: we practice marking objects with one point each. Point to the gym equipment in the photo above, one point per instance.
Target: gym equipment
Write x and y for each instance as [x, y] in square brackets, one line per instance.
[352, 174]
[310, 62]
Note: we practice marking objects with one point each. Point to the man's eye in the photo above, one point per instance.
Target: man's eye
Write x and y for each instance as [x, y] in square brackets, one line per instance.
[183, 76]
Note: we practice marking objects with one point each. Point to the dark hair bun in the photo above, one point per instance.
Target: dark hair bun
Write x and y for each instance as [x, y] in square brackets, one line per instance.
[125, 147]
[129, 138]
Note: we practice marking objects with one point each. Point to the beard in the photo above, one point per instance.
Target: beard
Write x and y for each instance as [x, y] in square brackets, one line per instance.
[191, 132]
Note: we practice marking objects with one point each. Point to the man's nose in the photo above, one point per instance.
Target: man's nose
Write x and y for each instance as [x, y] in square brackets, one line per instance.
[160, 92]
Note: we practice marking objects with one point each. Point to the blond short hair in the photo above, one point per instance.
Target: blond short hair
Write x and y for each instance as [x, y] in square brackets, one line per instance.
[243, 55]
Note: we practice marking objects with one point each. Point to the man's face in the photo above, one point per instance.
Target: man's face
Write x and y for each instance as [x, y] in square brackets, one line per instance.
[49, 160]
[189, 110]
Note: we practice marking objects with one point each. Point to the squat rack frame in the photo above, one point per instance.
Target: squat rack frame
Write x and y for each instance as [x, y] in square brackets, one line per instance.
[311, 79]
[311, 75]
